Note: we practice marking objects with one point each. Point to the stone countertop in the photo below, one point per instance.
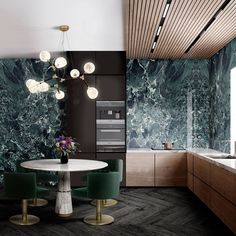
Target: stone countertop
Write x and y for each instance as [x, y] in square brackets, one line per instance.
[227, 164]
[149, 150]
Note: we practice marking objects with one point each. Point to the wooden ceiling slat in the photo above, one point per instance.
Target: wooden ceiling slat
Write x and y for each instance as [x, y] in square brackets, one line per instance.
[224, 26]
[221, 32]
[167, 50]
[143, 17]
[176, 29]
[155, 20]
[204, 13]
[131, 14]
[126, 5]
[184, 21]
[163, 37]
[132, 27]
[137, 27]
[147, 26]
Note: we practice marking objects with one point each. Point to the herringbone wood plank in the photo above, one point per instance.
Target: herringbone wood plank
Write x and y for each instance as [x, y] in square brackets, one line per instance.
[140, 211]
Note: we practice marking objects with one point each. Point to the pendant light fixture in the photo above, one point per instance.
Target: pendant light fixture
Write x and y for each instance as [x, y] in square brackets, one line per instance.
[57, 67]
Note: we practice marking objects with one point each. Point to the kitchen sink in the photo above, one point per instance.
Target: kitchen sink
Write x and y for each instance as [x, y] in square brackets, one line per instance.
[220, 156]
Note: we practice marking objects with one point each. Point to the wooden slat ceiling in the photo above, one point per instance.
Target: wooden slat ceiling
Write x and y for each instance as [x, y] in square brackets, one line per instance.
[184, 21]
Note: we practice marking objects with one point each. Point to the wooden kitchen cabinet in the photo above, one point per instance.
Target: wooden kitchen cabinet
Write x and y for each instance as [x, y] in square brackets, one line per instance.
[190, 158]
[170, 169]
[202, 190]
[224, 182]
[216, 187]
[202, 169]
[224, 209]
[140, 169]
[190, 181]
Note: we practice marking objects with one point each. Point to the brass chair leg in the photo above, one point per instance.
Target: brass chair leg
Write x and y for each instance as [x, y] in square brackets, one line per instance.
[37, 202]
[99, 218]
[24, 218]
[106, 202]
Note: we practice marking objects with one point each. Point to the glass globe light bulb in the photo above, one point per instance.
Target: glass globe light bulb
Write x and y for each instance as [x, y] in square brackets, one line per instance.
[59, 94]
[74, 73]
[43, 87]
[60, 62]
[34, 87]
[44, 56]
[92, 92]
[89, 67]
[29, 82]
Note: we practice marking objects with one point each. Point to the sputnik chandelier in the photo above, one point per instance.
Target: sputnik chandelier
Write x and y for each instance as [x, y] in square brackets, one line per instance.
[57, 76]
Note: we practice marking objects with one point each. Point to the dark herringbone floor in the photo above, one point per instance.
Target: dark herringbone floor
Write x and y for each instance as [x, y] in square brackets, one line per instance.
[141, 211]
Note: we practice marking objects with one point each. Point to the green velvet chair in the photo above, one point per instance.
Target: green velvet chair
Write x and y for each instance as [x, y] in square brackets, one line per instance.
[21, 186]
[41, 192]
[101, 186]
[113, 165]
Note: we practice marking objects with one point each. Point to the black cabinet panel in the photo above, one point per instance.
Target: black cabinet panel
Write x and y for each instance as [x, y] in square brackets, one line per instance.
[110, 63]
[111, 87]
[80, 114]
[78, 59]
[106, 62]
[76, 179]
[113, 156]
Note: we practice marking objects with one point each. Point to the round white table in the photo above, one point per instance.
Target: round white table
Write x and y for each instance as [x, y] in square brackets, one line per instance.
[63, 200]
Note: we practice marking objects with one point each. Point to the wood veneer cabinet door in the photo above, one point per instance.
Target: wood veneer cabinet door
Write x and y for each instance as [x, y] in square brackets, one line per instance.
[224, 209]
[190, 182]
[171, 169]
[224, 182]
[202, 190]
[139, 169]
[190, 162]
[202, 169]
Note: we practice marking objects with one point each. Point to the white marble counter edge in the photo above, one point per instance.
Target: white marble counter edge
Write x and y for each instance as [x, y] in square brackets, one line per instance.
[223, 163]
[147, 150]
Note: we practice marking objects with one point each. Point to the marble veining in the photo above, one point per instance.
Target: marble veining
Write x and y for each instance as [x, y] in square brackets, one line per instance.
[221, 64]
[28, 121]
[158, 99]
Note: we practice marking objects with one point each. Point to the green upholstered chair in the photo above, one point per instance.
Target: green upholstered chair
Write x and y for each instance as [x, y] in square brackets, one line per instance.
[113, 165]
[41, 192]
[21, 186]
[101, 186]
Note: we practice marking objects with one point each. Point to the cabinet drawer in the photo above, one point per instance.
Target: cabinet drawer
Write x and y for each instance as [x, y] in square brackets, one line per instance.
[139, 169]
[202, 169]
[202, 190]
[190, 181]
[190, 162]
[224, 182]
[224, 209]
[170, 169]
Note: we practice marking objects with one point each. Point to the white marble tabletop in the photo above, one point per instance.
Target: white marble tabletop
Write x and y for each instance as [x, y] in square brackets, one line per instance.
[72, 165]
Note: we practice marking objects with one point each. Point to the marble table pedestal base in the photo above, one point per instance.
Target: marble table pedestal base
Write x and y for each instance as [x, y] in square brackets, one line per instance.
[63, 200]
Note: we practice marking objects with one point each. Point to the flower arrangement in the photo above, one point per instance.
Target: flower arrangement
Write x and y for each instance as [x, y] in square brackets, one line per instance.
[66, 145]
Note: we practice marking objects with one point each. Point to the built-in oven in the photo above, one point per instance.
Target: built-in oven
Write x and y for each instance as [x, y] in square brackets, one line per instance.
[110, 124]
[110, 135]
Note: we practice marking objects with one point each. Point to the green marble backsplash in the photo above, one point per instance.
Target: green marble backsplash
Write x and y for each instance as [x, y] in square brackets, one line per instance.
[167, 101]
[221, 64]
[28, 121]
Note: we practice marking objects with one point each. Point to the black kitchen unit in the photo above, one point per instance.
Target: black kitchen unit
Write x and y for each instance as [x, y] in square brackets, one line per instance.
[99, 125]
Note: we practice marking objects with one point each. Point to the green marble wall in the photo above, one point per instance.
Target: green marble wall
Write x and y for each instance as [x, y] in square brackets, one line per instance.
[28, 121]
[221, 64]
[167, 101]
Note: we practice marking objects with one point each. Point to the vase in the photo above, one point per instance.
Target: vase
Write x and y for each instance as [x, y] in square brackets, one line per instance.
[64, 158]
